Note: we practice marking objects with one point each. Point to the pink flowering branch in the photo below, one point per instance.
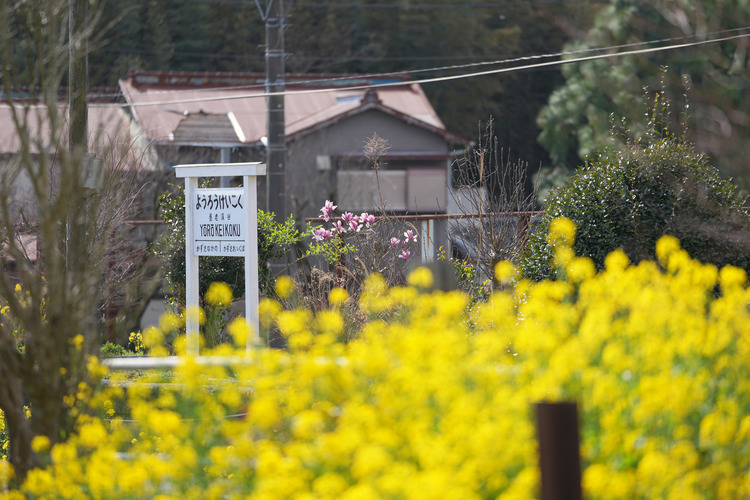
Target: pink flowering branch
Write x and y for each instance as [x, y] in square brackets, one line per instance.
[355, 223]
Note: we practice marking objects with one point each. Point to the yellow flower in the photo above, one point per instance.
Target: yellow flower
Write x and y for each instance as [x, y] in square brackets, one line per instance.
[369, 460]
[372, 299]
[580, 269]
[194, 313]
[337, 296]
[40, 444]
[284, 286]
[329, 322]
[616, 261]
[6, 474]
[265, 412]
[92, 434]
[330, 485]
[95, 369]
[564, 255]
[77, 342]
[18, 287]
[596, 479]
[239, 329]
[136, 338]
[268, 310]
[169, 322]
[732, 277]
[657, 361]
[296, 321]
[219, 294]
[665, 247]
[421, 277]
[307, 424]
[562, 231]
[505, 272]
[153, 337]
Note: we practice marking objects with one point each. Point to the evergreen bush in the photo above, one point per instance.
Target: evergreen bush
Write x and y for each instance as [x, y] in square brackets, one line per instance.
[628, 198]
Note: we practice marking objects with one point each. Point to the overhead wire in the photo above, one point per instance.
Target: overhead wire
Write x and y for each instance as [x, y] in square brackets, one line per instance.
[474, 5]
[477, 5]
[481, 63]
[448, 77]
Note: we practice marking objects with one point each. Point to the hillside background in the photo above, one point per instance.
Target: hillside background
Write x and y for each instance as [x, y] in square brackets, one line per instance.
[571, 107]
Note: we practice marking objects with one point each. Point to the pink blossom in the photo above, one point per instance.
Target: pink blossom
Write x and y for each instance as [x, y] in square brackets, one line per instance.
[352, 220]
[367, 219]
[395, 242]
[321, 234]
[405, 254]
[339, 227]
[328, 207]
[410, 235]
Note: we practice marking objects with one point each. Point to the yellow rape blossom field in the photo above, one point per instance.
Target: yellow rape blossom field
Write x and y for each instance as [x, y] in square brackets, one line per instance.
[435, 400]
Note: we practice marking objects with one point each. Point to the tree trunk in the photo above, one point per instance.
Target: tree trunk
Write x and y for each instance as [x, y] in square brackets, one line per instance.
[19, 427]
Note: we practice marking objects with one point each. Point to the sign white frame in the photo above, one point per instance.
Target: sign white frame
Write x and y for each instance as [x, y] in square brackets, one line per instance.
[249, 173]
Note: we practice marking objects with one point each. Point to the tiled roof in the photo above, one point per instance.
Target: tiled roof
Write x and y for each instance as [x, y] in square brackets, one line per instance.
[162, 102]
[108, 126]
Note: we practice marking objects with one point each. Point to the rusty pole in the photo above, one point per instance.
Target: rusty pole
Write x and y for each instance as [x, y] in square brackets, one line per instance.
[559, 460]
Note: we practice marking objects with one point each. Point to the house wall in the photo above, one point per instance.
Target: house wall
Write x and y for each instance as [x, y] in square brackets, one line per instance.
[309, 186]
[18, 188]
[328, 164]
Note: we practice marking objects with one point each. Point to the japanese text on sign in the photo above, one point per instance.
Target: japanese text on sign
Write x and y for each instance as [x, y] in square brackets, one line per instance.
[219, 226]
[218, 200]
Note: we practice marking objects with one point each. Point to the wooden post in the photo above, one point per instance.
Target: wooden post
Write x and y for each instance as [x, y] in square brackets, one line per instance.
[559, 460]
[522, 227]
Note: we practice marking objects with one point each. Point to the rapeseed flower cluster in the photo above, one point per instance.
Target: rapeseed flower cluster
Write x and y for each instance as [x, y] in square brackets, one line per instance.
[432, 402]
[3, 439]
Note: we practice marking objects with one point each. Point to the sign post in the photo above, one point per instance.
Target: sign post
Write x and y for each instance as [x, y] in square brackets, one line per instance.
[221, 222]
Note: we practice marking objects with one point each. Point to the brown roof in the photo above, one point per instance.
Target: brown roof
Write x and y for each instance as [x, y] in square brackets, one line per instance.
[205, 128]
[109, 129]
[165, 103]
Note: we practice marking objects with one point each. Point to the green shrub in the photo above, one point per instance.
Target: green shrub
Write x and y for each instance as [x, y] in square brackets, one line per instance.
[109, 350]
[630, 197]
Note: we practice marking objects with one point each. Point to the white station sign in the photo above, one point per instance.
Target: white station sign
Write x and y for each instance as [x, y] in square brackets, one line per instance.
[219, 222]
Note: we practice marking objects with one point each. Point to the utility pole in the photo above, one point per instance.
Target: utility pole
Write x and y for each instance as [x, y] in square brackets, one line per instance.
[225, 158]
[273, 16]
[78, 74]
[78, 115]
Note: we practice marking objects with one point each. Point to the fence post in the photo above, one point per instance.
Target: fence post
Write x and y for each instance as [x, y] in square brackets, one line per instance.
[559, 460]
[427, 245]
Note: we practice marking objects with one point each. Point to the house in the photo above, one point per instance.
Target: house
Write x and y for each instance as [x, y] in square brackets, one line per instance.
[110, 133]
[197, 117]
[114, 145]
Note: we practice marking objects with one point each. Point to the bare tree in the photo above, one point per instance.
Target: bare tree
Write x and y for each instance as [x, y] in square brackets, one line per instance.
[56, 314]
[495, 193]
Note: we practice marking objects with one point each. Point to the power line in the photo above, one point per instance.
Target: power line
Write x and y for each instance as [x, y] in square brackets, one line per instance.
[421, 58]
[412, 6]
[479, 5]
[490, 63]
[457, 76]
